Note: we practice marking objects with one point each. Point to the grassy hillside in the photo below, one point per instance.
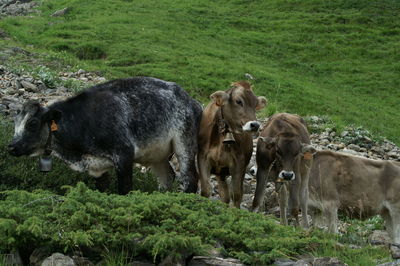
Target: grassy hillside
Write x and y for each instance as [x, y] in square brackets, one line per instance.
[339, 58]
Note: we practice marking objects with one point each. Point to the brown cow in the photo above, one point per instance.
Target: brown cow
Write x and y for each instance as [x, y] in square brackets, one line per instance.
[357, 186]
[284, 155]
[225, 139]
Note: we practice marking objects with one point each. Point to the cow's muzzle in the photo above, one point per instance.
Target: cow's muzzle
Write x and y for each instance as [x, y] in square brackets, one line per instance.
[15, 148]
[287, 175]
[251, 126]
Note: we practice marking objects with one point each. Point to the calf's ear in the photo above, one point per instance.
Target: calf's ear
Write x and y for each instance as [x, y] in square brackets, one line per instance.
[262, 102]
[220, 97]
[52, 114]
[268, 141]
[308, 151]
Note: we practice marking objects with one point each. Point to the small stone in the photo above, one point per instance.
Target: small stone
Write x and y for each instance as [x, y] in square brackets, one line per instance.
[58, 259]
[353, 147]
[211, 261]
[391, 263]
[80, 72]
[344, 133]
[395, 251]
[379, 237]
[29, 86]
[61, 12]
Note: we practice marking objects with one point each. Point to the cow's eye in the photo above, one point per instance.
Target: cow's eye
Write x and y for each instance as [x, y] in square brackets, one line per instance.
[32, 125]
[239, 102]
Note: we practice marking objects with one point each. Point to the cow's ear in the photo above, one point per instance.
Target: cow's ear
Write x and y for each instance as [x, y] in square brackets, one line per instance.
[308, 151]
[52, 114]
[268, 141]
[262, 102]
[220, 97]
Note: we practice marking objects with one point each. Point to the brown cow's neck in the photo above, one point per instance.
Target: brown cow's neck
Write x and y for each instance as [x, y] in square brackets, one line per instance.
[222, 123]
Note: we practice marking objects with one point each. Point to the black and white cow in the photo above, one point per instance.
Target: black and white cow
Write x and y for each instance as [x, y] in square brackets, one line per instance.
[142, 120]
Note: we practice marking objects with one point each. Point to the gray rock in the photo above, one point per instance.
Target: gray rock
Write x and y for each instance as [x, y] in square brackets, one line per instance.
[392, 263]
[3, 108]
[324, 261]
[62, 12]
[80, 72]
[284, 262]
[344, 133]
[395, 251]
[379, 237]
[58, 259]
[29, 86]
[210, 261]
[353, 147]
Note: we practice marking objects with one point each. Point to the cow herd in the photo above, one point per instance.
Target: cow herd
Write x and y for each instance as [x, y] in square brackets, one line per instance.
[145, 120]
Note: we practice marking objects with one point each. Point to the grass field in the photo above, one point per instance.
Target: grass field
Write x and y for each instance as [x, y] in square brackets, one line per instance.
[340, 58]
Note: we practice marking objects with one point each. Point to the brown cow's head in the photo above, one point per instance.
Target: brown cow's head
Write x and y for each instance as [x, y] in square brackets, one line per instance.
[31, 129]
[239, 105]
[287, 150]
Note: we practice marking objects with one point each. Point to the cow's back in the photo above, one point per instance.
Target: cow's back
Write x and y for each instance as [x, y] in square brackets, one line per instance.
[360, 186]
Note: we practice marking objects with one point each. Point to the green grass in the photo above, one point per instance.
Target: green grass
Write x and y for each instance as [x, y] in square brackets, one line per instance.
[337, 58]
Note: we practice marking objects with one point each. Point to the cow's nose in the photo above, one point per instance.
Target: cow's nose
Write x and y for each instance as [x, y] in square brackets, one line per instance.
[253, 171]
[254, 126]
[287, 175]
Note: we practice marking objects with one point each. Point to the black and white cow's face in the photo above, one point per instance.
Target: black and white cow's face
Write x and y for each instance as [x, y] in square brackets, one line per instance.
[31, 130]
[287, 150]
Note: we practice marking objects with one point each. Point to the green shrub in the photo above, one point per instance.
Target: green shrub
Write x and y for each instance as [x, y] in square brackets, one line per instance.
[153, 226]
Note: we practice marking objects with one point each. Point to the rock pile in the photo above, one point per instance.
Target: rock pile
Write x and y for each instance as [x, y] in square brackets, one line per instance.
[17, 88]
[16, 8]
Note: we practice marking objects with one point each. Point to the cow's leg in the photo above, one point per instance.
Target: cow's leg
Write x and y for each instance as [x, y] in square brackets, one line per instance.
[283, 201]
[165, 174]
[103, 182]
[294, 194]
[223, 188]
[237, 173]
[262, 176]
[204, 175]
[331, 215]
[185, 148]
[305, 175]
[124, 169]
[392, 223]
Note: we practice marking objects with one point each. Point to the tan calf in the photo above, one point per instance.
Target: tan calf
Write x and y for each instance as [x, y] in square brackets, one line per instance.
[225, 140]
[356, 186]
[284, 156]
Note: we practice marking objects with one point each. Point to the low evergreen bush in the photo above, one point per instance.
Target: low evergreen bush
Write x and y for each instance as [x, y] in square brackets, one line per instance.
[152, 226]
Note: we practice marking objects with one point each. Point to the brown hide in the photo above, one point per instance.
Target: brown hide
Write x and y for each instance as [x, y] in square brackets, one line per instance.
[280, 151]
[357, 186]
[237, 107]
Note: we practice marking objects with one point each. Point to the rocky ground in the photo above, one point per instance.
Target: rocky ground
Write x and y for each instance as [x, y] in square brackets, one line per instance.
[16, 7]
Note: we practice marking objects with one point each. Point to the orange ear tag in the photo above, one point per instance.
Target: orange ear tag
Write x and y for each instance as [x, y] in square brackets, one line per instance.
[53, 126]
[308, 156]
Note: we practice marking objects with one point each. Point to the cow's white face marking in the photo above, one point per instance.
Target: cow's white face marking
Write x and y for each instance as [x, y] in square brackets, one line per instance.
[20, 125]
